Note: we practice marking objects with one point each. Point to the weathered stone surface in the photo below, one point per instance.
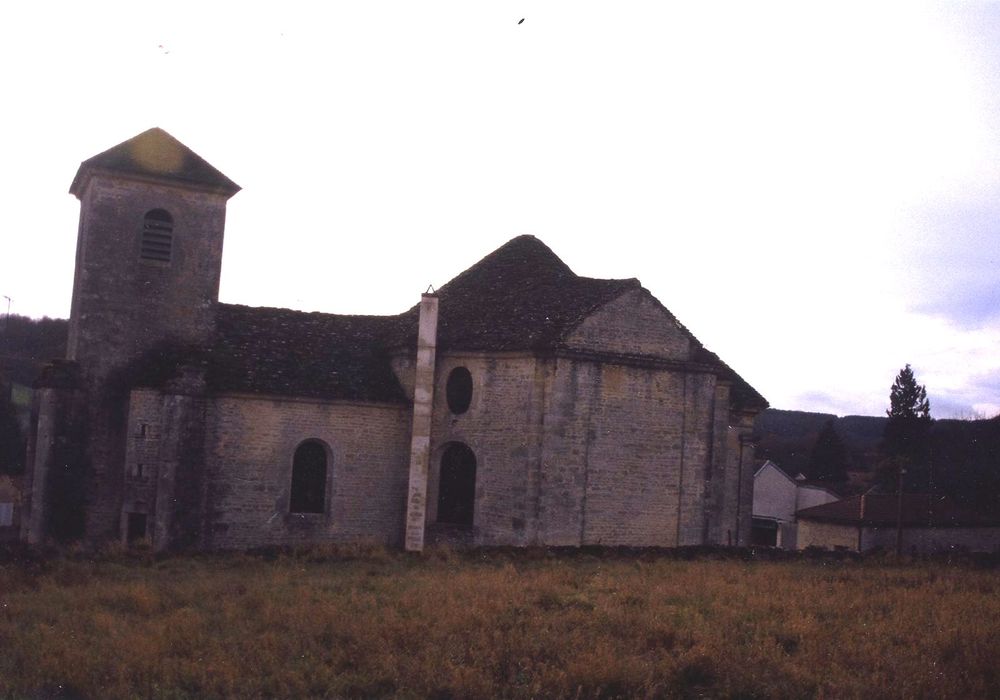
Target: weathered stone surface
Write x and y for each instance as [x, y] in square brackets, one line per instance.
[250, 443]
[420, 432]
[595, 416]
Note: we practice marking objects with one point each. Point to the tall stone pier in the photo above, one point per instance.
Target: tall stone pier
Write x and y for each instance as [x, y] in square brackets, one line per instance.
[420, 442]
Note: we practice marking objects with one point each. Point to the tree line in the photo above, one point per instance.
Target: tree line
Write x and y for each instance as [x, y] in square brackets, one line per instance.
[25, 346]
[955, 458]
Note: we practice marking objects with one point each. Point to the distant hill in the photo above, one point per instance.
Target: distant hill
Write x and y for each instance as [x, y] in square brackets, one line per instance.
[966, 461]
[965, 455]
[787, 438]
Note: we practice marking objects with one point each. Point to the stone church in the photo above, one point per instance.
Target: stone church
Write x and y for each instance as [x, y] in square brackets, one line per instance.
[520, 404]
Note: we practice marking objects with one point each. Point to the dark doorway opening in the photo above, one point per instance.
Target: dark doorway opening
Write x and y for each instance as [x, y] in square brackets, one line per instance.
[457, 486]
[764, 533]
[136, 527]
[309, 479]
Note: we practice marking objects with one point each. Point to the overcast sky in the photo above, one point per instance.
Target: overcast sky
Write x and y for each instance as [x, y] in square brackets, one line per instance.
[812, 189]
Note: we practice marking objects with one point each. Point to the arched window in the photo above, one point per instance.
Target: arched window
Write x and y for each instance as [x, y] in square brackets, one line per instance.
[458, 390]
[157, 236]
[308, 478]
[457, 485]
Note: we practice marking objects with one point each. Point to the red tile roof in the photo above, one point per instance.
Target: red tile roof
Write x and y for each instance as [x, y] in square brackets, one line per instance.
[881, 509]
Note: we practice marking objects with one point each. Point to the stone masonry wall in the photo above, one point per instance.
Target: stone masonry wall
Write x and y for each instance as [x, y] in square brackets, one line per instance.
[826, 535]
[927, 540]
[747, 466]
[250, 443]
[633, 457]
[624, 455]
[569, 393]
[142, 454]
[501, 428]
[574, 452]
[52, 490]
[165, 465]
[918, 540]
[719, 479]
[579, 449]
[632, 324]
[123, 304]
[699, 390]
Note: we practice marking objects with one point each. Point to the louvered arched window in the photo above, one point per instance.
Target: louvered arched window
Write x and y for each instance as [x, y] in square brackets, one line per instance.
[157, 236]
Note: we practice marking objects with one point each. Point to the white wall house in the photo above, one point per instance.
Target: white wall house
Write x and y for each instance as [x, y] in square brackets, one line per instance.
[776, 498]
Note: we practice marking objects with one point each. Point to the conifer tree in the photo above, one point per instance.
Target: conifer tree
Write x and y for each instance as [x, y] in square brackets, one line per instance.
[905, 441]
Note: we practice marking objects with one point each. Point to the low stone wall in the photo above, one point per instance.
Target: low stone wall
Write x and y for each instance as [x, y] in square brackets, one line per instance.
[826, 535]
[928, 540]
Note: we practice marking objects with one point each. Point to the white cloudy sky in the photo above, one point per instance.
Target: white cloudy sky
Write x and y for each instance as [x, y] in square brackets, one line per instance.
[812, 188]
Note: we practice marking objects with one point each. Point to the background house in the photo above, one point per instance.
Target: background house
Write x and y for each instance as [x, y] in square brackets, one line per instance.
[776, 498]
[930, 524]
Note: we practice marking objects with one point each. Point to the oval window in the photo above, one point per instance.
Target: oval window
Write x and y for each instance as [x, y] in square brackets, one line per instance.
[459, 390]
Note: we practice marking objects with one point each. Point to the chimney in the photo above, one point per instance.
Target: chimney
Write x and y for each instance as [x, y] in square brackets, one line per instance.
[420, 441]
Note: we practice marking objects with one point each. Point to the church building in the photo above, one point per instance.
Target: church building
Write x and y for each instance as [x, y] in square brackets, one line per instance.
[520, 404]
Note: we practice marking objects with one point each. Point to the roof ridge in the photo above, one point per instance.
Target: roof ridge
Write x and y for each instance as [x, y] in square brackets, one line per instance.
[155, 154]
[284, 309]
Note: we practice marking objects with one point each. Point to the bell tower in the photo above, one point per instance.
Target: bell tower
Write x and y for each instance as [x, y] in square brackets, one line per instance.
[149, 250]
[148, 262]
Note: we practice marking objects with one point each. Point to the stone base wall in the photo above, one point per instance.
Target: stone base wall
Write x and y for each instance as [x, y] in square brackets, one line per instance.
[826, 535]
[928, 540]
[916, 540]
[250, 444]
[578, 451]
[501, 427]
[624, 455]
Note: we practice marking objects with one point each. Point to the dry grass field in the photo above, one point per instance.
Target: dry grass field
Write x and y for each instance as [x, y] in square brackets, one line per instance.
[371, 623]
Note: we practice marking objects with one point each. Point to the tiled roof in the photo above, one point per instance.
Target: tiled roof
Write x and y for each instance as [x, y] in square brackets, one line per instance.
[521, 297]
[743, 395]
[155, 153]
[278, 351]
[881, 510]
[837, 488]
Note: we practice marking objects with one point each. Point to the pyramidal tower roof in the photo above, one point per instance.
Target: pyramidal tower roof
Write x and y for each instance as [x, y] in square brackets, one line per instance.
[155, 154]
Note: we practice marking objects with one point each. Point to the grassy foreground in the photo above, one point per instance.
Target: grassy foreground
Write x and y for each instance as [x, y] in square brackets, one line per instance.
[478, 625]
